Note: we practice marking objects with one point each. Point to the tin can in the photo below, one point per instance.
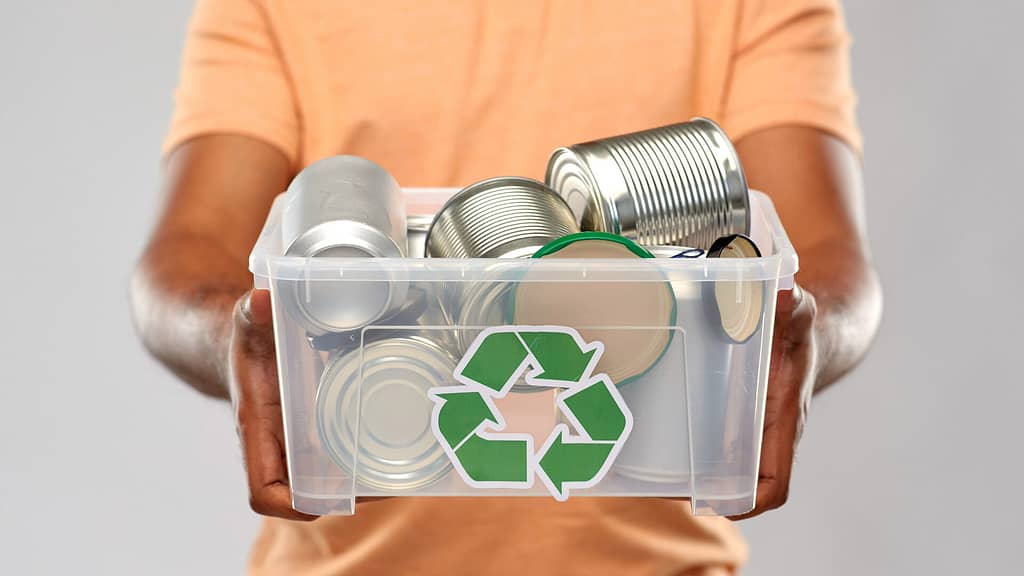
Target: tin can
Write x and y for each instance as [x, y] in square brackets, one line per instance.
[506, 217]
[677, 184]
[633, 318]
[416, 232]
[373, 400]
[344, 207]
[737, 306]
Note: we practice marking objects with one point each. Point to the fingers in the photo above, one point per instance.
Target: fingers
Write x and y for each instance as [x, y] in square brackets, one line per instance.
[787, 401]
[263, 447]
[257, 402]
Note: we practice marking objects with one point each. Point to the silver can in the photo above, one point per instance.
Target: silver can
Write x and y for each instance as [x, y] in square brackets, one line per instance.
[373, 400]
[344, 207]
[677, 184]
[417, 227]
[506, 217]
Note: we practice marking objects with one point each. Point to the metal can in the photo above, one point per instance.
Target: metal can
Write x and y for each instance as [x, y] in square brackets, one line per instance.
[506, 217]
[374, 400]
[633, 318]
[738, 306]
[416, 232]
[681, 183]
[344, 207]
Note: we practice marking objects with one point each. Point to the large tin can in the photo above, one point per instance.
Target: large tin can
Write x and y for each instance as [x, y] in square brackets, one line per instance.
[677, 184]
[344, 207]
[373, 413]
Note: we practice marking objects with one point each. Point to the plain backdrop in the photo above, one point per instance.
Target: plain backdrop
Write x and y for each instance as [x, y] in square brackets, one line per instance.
[911, 465]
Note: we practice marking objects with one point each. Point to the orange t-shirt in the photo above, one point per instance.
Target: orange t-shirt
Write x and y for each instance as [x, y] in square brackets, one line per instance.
[446, 93]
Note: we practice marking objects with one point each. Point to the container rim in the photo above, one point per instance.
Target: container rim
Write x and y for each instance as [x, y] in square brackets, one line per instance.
[780, 261]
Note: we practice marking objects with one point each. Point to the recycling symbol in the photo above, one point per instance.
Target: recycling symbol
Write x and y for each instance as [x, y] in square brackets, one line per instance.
[468, 424]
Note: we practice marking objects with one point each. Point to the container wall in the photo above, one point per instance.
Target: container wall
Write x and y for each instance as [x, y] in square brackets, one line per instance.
[559, 378]
[358, 409]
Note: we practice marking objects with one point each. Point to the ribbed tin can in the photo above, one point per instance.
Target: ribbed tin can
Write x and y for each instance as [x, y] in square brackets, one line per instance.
[506, 217]
[677, 184]
[344, 207]
[373, 400]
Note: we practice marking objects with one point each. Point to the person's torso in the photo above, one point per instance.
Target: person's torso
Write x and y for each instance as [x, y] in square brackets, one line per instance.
[447, 93]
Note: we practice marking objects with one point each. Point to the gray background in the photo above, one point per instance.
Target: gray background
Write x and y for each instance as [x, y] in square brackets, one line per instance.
[111, 467]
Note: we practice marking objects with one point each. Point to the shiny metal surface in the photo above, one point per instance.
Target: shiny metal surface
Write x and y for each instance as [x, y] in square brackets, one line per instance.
[677, 184]
[738, 306]
[396, 448]
[344, 207]
[506, 217]
[416, 232]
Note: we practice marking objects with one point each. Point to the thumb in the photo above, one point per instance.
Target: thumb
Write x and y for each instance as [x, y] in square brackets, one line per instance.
[255, 308]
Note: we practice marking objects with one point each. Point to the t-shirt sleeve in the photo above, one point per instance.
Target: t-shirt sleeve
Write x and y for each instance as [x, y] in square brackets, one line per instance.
[791, 65]
[233, 79]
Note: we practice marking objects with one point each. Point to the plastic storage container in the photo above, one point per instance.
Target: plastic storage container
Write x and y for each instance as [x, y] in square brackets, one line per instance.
[419, 404]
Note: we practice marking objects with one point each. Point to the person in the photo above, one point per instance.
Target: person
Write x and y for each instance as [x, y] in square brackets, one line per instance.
[447, 93]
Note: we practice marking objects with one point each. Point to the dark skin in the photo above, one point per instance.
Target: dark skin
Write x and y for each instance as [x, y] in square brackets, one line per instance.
[200, 317]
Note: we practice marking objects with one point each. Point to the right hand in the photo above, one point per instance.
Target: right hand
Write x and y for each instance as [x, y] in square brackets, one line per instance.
[256, 400]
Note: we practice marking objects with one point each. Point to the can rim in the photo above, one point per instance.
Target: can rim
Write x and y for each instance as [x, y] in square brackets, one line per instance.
[564, 241]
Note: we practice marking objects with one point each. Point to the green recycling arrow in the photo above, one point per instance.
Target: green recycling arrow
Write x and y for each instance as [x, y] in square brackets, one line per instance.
[565, 462]
[468, 424]
[461, 413]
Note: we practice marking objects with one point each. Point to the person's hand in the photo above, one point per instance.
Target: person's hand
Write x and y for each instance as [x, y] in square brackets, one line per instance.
[790, 386]
[256, 400]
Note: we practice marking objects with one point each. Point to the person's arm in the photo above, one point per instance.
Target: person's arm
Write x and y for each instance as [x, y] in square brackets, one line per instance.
[825, 325]
[193, 302]
[195, 267]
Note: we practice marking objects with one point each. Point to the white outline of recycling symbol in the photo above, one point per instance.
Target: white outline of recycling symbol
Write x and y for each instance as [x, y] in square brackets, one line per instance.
[469, 425]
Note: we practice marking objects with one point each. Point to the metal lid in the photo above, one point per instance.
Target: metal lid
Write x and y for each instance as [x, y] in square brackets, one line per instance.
[739, 306]
[397, 449]
[633, 318]
[342, 305]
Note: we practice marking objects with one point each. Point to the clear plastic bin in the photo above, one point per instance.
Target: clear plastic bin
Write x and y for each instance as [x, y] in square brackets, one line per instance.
[392, 421]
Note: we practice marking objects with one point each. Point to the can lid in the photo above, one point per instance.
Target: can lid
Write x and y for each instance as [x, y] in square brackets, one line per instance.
[633, 318]
[376, 398]
[739, 306]
[565, 241]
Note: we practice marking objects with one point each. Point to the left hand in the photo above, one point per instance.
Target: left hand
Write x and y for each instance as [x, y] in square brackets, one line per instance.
[791, 381]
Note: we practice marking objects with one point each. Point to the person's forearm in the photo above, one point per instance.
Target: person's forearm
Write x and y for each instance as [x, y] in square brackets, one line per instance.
[849, 306]
[218, 189]
[183, 305]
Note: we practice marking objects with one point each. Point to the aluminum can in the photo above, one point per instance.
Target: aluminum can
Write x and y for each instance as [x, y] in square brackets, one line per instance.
[677, 184]
[373, 401]
[506, 217]
[344, 207]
